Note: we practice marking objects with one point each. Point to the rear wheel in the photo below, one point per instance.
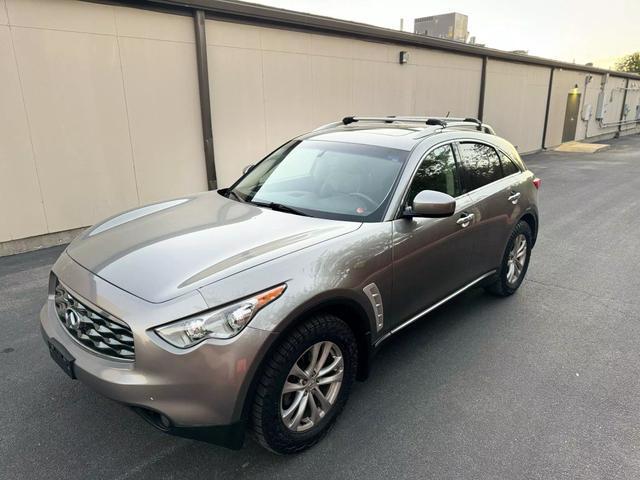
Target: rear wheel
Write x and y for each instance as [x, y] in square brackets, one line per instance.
[305, 384]
[515, 262]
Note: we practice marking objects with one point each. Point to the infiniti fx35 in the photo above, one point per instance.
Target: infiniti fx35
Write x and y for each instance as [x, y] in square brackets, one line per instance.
[257, 306]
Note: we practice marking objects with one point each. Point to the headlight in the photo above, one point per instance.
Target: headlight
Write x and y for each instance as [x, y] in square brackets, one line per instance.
[224, 322]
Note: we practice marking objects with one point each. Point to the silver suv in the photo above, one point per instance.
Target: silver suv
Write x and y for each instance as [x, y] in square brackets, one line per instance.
[259, 305]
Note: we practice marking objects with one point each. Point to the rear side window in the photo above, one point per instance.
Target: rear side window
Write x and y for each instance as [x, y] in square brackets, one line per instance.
[436, 172]
[508, 167]
[481, 165]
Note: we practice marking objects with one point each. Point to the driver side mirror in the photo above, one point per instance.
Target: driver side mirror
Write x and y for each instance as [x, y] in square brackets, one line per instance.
[432, 204]
[247, 169]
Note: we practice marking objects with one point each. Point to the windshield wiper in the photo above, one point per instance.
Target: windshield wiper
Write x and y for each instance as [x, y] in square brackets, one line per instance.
[231, 192]
[280, 208]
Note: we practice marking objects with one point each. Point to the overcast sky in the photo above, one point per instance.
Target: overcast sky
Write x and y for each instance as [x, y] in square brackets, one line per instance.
[584, 31]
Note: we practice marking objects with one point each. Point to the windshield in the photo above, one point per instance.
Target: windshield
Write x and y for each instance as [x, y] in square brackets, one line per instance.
[343, 181]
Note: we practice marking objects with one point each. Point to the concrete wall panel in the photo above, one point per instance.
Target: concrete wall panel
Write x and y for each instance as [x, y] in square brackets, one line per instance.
[62, 15]
[586, 128]
[614, 94]
[21, 209]
[446, 83]
[4, 20]
[161, 89]
[332, 88]
[75, 104]
[633, 101]
[374, 51]
[383, 88]
[277, 40]
[134, 22]
[287, 96]
[226, 34]
[237, 103]
[563, 83]
[332, 46]
[515, 102]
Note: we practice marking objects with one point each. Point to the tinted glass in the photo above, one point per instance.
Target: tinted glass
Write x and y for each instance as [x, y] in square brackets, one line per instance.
[481, 165]
[508, 167]
[336, 180]
[436, 172]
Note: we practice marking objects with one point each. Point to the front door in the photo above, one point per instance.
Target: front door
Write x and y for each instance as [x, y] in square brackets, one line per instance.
[571, 117]
[431, 255]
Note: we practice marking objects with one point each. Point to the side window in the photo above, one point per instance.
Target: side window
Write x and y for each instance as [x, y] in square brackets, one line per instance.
[508, 167]
[436, 172]
[481, 165]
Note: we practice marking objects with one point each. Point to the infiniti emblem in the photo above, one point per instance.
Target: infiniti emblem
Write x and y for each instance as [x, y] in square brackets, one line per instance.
[72, 319]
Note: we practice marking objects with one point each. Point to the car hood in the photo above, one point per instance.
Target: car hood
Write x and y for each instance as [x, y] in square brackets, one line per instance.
[161, 251]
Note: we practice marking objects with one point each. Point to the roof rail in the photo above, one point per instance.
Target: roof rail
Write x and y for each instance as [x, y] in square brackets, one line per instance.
[443, 122]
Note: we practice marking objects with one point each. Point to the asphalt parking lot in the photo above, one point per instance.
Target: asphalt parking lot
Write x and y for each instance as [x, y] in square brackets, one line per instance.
[544, 384]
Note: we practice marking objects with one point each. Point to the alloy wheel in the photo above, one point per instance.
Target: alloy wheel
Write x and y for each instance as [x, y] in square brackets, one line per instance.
[312, 386]
[517, 258]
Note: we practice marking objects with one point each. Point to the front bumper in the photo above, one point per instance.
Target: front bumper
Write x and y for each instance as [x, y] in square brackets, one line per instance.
[200, 391]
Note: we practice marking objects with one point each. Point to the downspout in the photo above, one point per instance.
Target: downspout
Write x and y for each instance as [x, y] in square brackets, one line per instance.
[546, 112]
[205, 98]
[483, 85]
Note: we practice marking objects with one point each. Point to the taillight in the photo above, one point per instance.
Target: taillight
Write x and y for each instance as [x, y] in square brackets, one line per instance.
[537, 182]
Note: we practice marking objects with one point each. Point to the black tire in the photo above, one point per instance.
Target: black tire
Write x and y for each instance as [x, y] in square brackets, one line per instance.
[266, 419]
[502, 287]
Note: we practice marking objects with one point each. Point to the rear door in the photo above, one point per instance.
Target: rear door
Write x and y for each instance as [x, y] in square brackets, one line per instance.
[492, 181]
[431, 255]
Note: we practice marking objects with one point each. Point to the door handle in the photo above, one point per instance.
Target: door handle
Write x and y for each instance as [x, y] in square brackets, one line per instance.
[465, 219]
[514, 197]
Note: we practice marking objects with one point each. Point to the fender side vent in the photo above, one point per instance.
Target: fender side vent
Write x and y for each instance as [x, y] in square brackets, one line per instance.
[373, 294]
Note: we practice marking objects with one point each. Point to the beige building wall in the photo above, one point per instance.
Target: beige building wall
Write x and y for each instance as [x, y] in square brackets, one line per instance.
[100, 113]
[515, 102]
[586, 128]
[100, 104]
[277, 84]
[564, 81]
[19, 184]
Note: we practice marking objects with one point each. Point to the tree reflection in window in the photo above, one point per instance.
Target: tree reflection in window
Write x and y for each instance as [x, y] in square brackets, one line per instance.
[481, 165]
[508, 167]
[436, 172]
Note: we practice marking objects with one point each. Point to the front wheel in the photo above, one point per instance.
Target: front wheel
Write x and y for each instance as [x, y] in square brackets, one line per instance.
[515, 261]
[305, 384]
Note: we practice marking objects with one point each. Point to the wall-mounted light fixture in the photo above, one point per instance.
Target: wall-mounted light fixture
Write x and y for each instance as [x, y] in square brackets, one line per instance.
[574, 90]
[404, 57]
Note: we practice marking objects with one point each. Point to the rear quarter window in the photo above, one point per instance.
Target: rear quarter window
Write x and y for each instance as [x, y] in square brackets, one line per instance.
[481, 165]
[508, 166]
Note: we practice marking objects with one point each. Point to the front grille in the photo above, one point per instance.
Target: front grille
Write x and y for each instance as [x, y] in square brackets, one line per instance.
[92, 329]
